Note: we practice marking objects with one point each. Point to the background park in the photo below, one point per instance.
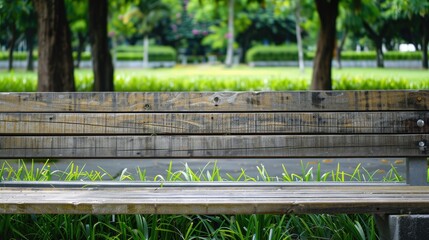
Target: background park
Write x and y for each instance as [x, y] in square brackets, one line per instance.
[208, 45]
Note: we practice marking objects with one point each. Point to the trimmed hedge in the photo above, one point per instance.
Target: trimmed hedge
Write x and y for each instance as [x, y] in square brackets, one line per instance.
[156, 53]
[259, 53]
[16, 55]
[290, 53]
[272, 53]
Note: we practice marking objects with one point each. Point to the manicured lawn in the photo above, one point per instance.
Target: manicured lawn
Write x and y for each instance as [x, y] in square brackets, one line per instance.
[218, 78]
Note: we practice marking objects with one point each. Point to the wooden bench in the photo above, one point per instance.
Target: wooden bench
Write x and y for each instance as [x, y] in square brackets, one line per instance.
[215, 125]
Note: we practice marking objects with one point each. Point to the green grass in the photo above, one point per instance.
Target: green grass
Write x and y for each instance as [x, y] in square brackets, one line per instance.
[218, 78]
[318, 226]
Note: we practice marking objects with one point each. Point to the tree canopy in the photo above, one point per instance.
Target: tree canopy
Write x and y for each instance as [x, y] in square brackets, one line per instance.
[225, 28]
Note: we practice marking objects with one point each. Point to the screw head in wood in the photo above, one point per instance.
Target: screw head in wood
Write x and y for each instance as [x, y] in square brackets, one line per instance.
[422, 146]
[420, 123]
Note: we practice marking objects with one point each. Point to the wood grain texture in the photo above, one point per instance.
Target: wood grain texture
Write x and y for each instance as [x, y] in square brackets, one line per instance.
[231, 146]
[217, 200]
[216, 101]
[212, 123]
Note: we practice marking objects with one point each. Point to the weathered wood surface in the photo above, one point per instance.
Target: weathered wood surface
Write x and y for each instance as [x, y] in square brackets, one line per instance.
[216, 200]
[212, 123]
[216, 101]
[216, 146]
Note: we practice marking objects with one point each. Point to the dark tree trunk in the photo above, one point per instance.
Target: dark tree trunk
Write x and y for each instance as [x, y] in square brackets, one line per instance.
[55, 64]
[425, 39]
[29, 35]
[101, 58]
[379, 51]
[328, 11]
[340, 48]
[12, 42]
[377, 38]
[81, 47]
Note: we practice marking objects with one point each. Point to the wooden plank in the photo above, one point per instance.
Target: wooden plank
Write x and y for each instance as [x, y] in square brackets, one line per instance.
[216, 200]
[231, 146]
[216, 101]
[202, 185]
[212, 123]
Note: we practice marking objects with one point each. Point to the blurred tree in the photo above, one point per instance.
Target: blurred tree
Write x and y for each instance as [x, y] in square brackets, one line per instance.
[101, 59]
[55, 62]
[145, 15]
[77, 15]
[328, 12]
[228, 19]
[418, 12]
[17, 18]
[296, 9]
[271, 24]
[376, 22]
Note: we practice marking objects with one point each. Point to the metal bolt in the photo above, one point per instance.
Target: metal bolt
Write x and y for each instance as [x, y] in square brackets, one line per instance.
[420, 123]
[422, 146]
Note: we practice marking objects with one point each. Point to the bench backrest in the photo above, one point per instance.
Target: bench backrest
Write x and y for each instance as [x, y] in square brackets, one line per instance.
[214, 125]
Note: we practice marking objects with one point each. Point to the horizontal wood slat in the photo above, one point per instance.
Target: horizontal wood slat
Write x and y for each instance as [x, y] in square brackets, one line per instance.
[231, 146]
[212, 123]
[216, 200]
[216, 101]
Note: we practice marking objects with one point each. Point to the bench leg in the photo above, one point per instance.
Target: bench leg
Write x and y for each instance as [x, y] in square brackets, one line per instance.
[416, 169]
[397, 227]
[382, 224]
[409, 227]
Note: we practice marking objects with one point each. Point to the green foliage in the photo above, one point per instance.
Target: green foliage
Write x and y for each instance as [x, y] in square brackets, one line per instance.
[16, 56]
[156, 53]
[127, 53]
[290, 53]
[272, 53]
[371, 55]
[206, 81]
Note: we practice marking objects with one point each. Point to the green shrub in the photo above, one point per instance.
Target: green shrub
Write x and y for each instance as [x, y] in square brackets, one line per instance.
[156, 53]
[272, 53]
[16, 55]
[371, 55]
[394, 55]
[85, 56]
[132, 53]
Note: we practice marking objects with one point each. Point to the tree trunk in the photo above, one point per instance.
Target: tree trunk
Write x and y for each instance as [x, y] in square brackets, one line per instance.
[101, 58]
[377, 38]
[29, 35]
[55, 64]
[80, 48]
[299, 37]
[12, 42]
[425, 39]
[146, 51]
[328, 11]
[340, 49]
[230, 47]
[379, 51]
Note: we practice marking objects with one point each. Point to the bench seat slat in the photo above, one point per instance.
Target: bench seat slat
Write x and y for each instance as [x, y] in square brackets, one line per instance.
[216, 101]
[216, 200]
[228, 146]
[212, 123]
